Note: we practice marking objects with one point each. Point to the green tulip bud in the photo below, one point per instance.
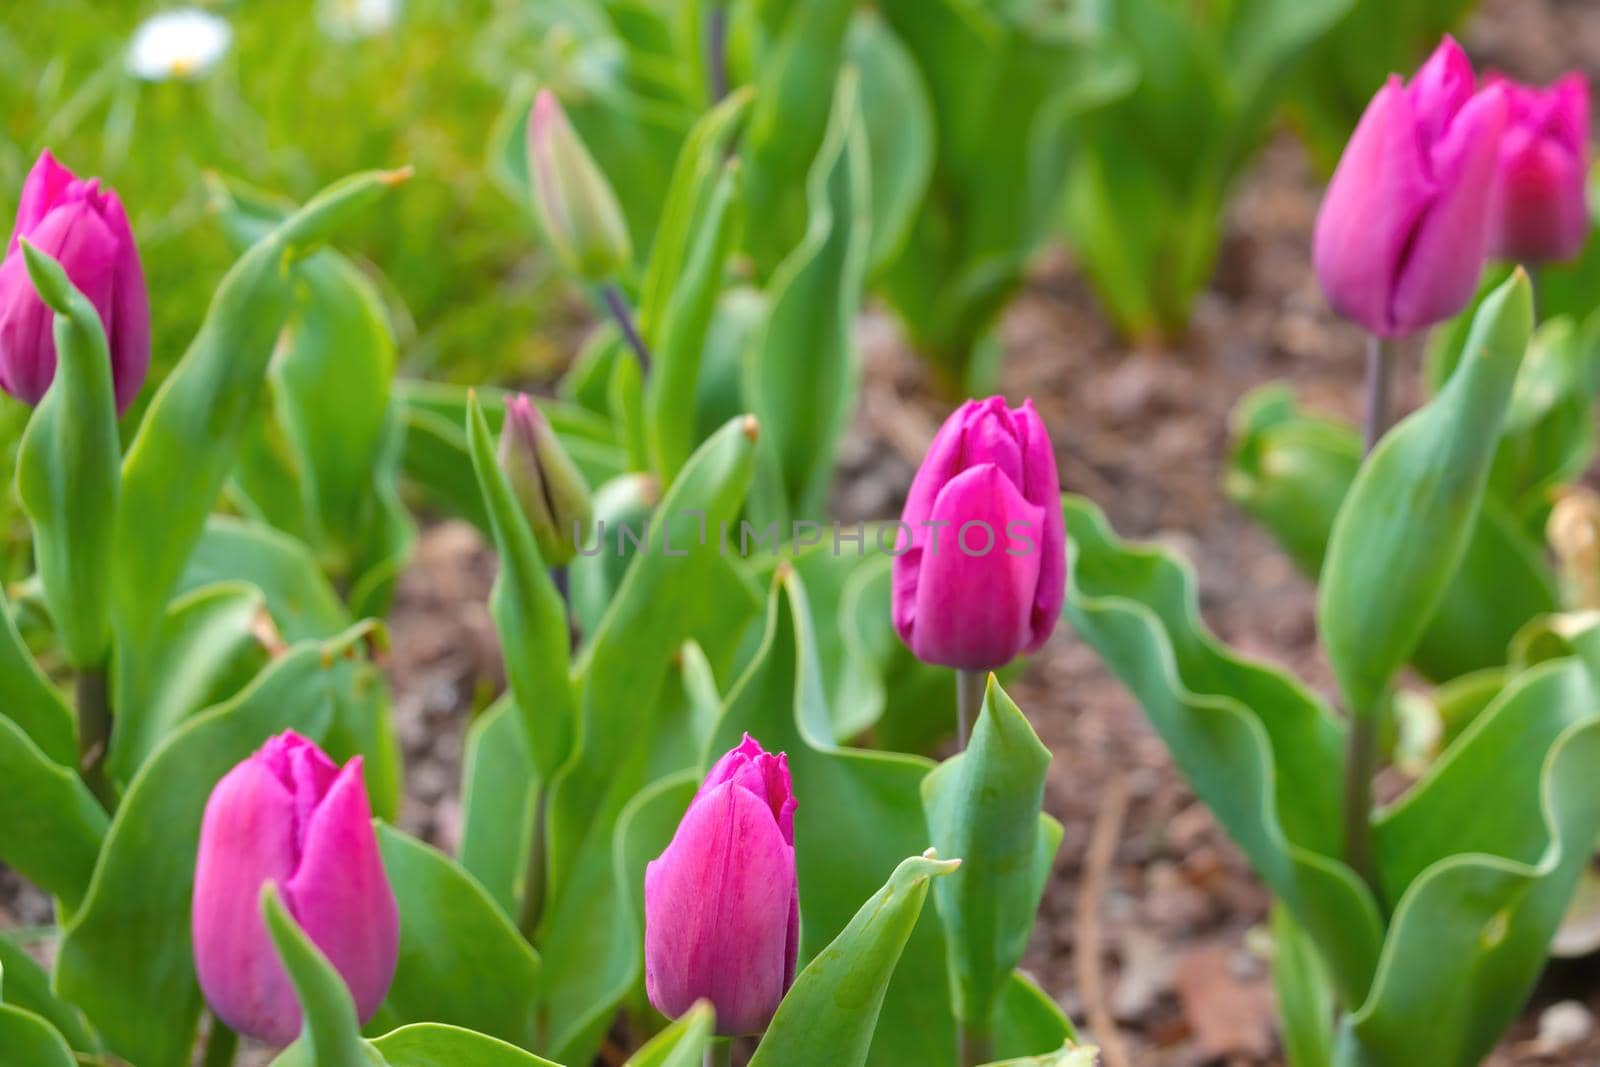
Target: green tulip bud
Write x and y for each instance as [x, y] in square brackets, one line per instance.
[549, 488]
[574, 202]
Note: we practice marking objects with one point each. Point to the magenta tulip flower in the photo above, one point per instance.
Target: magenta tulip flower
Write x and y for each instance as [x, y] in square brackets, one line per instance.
[722, 903]
[289, 815]
[84, 227]
[1403, 232]
[981, 566]
[1541, 206]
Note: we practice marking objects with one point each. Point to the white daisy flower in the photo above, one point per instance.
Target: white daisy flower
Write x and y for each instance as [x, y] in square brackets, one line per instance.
[353, 19]
[181, 43]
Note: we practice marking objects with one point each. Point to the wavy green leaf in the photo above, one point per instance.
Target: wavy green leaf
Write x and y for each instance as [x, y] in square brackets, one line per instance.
[51, 826]
[26, 1040]
[437, 1045]
[31, 700]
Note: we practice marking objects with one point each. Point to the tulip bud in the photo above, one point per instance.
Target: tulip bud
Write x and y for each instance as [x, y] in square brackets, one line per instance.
[83, 227]
[549, 487]
[980, 569]
[289, 815]
[722, 903]
[1403, 232]
[1541, 208]
[572, 198]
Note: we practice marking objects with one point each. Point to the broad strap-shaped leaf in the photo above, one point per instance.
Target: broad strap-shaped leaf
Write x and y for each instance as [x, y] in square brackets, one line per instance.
[1405, 525]
[529, 613]
[330, 1036]
[67, 477]
[1305, 995]
[683, 1044]
[1260, 751]
[898, 118]
[126, 957]
[1069, 1055]
[984, 806]
[622, 513]
[498, 787]
[1483, 914]
[462, 961]
[801, 378]
[29, 699]
[189, 439]
[437, 1045]
[26, 1040]
[24, 984]
[51, 826]
[303, 604]
[829, 1015]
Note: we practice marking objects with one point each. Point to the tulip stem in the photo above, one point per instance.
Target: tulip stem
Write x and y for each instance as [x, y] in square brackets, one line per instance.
[969, 700]
[617, 304]
[221, 1045]
[1380, 371]
[719, 1053]
[533, 881]
[717, 50]
[94, 733]
[975, 1047]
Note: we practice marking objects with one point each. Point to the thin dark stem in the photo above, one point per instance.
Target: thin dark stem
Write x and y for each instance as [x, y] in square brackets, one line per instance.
[1361, 764]
[617, 304]
[969, 699]
[562, 581]
[1380, 371]
[93, 695]
[717, 50]
[221, 1045]
[976, 1047]
[533, 882]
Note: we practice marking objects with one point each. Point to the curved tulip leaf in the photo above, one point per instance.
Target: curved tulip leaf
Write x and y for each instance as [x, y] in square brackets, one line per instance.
[622, 509]
[436, 1045]
[782, 702]
[1484, 918]
[67, 477]
[528, 611]
[898, 117]
[330, 1035]
[498, 786]
[1406, 524]
[828, 1017]
[683, 1044]
[625, 402]
[462, 962]
[126, 957]
[736, 325]
[299, 598]
[26, 1040]
[1069, 1055]
[51, 826]
[801, 378]
[679, 585]
[31, 700]
[189, 439]
[1292, 471]
[208, 647]
[1305, 996]
[984, 805]
[1261, 752]
[438, 462]
[24, 984]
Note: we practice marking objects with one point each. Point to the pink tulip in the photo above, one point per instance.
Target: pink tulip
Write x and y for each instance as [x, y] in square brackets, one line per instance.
[1541, 208]
[83, 226]
[722, 903]
[289, 815]
[1403, 232]
[981, 569]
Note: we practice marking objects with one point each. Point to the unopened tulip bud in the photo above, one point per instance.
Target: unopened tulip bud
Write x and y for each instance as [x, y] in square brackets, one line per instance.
[574, 202]
[980, 572]
[1403, 232]
[1541, 207]
[289, 815]
[722, 903]
[83, 227]
[549, 487]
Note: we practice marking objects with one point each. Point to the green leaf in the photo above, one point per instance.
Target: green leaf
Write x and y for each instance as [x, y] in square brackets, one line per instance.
[26, 1040]
[299, 598]
[1408, 519]
[436, 1045]
[1068, 1055]
[26, 985]
[1260, 751]
[67, 479]
[622, 508]
[207, 649]
[898, 118]
[529, 613]
[462, 962]
[983, 805]
[802, 377]
[51, 826]
[498, 787]
[190, 437]
[1305, 995]
[31, 700]
[330, 1036]
[126, 957]
[683, 1044]
[828, 1017]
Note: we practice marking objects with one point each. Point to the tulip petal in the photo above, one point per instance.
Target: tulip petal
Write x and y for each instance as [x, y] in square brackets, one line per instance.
[975, 593]
[341, 896]
[45, 186]
[129, 323]
[942, 462]
[1042, 488]
[720, 907]
[246, 839]
[991, 436]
